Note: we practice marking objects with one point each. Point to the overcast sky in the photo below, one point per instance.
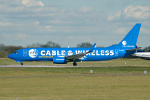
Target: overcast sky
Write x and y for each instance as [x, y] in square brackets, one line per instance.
[70, 22]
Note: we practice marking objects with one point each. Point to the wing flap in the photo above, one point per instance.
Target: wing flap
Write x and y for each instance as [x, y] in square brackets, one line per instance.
[76, 56]
[80, 55]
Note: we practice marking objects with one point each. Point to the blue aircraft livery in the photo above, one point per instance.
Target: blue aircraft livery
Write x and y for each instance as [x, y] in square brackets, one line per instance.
[63, 55]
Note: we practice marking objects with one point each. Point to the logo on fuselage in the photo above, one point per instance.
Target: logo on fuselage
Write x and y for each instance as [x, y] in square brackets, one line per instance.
[124, 43]
[73, 52]
[33, 53]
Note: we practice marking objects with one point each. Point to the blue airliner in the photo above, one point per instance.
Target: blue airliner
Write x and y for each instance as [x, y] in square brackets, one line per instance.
[142, 54]
[63, 55]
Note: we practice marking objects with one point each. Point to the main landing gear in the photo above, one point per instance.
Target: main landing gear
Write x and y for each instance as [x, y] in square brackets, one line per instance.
[74, 64]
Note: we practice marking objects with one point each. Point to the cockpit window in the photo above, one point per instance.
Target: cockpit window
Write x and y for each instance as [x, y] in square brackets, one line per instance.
[16, 52]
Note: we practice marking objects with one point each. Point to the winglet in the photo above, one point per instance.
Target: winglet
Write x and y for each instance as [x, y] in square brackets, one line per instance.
[91, 50]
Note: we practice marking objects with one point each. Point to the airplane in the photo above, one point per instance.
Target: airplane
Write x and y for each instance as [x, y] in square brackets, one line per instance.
[144, 55]
[64, 55]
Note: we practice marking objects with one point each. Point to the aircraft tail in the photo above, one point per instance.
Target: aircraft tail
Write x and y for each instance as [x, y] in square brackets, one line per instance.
[131, 38]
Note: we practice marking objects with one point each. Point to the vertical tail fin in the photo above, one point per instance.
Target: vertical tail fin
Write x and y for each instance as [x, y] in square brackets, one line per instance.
[131, 38]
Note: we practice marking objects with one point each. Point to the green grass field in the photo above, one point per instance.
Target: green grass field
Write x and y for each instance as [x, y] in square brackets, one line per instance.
[65, 84]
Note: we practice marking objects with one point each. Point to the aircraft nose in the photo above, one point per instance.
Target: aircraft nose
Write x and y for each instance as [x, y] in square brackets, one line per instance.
[10, 56]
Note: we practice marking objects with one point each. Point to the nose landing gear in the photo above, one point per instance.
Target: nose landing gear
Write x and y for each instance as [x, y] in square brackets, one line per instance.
[21, 63]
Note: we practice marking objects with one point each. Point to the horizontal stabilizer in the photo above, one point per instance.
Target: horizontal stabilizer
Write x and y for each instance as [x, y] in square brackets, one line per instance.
[133, 49]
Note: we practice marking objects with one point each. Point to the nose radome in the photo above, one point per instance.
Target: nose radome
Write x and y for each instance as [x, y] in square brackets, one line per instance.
[10, 56]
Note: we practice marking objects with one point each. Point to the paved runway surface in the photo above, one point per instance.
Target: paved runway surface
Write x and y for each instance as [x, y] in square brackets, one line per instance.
[42, 66]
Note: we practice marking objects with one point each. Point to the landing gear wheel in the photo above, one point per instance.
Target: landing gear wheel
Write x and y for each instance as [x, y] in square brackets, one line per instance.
[74, 64]
[21, 63]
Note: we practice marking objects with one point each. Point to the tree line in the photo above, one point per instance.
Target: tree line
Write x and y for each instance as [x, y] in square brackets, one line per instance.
[6, 50]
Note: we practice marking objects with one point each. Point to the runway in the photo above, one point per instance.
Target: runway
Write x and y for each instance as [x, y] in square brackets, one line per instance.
[28, 66]
[32, 66]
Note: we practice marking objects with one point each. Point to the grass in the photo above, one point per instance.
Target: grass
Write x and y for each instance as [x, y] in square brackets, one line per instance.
[76, 88]
[54, 87]
[71, 71]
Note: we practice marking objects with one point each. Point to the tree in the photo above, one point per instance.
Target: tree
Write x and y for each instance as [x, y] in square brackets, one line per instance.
[84, 45]
[51, 44]
[34, 45]
[11, 49]
[147, 49]
[3, 54]
[5, 50]
[2, 47]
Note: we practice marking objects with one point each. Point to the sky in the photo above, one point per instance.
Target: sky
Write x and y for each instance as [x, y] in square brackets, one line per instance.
[71, 22]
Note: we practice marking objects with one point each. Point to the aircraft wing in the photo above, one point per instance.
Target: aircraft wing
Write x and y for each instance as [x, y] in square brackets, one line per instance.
[80, 55]
[76, 56]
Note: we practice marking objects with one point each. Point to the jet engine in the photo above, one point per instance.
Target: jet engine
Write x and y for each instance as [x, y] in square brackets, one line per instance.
[59, 60]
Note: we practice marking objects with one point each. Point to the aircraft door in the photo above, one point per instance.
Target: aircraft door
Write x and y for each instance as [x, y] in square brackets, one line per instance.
[116, 52]
[24, 52]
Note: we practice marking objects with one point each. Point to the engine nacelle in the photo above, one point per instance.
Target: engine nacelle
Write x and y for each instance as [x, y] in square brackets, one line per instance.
[59, 60]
